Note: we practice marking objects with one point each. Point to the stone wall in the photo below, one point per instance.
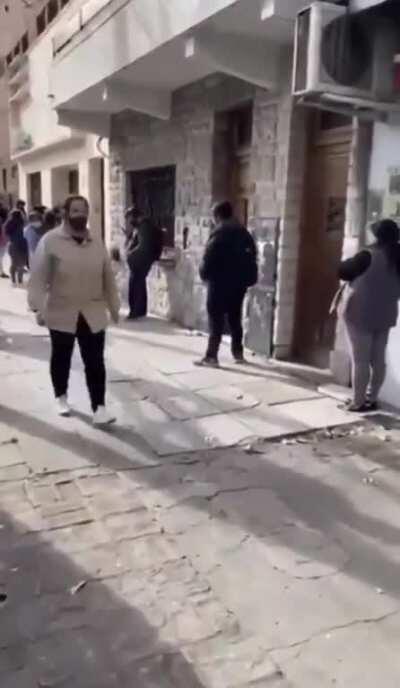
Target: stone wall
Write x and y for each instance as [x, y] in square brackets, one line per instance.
[193, 142]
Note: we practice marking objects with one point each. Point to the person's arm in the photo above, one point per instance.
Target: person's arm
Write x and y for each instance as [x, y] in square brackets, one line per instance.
[40, 279]
[354, 267]
[110, 289]
[210, 259]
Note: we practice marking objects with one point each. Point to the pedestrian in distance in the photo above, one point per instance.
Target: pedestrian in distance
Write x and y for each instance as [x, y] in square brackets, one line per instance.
[21, 206]
[369, 307]
[17, 247]
[71, 289]
[143, 246]
[3, 239]
[229, 268]
[33, 232]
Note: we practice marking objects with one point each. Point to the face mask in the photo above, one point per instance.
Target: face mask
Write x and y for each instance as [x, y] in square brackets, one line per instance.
[78, 222]
[36, 225]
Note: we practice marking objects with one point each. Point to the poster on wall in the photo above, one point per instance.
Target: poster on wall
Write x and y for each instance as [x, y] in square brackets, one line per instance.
[391, 200]
[336, 214]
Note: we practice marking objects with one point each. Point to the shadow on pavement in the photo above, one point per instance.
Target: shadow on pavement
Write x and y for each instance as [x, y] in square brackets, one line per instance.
[96, 638]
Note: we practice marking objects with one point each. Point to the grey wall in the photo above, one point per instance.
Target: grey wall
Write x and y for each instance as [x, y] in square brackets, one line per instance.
[189, 141]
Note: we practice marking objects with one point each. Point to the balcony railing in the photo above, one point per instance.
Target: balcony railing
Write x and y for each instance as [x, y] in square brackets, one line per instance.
[77, 22]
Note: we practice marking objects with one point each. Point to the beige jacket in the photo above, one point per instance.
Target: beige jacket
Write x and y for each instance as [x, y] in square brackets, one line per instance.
[69, 278]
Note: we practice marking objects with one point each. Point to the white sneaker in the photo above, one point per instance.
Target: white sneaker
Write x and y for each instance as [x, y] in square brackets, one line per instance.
[103, 417]
[63, 408]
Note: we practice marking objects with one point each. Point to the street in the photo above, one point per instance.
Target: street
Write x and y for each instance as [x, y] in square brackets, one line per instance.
[219, 536]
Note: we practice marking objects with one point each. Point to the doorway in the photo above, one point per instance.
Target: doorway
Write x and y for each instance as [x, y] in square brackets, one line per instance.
[232, 178]
[321, 235]
[153, 191]
[35, 189]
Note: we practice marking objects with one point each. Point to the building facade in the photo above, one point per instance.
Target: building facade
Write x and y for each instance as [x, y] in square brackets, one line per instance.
[50, 160]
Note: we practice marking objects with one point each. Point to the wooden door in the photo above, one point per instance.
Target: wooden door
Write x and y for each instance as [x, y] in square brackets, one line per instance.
[321, 244]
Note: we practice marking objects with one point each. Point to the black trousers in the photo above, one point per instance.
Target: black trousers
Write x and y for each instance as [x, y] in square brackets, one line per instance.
[92, 352]
[224, 303]
[138, 293]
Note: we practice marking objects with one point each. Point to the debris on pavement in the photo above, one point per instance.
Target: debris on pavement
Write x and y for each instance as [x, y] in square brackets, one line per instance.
[78, 587]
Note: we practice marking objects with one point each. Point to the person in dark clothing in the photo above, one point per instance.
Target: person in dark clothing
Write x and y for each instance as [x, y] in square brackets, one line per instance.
[370, 310]
[143, 247]
[21, 206]
[229, 267]
[14, 231]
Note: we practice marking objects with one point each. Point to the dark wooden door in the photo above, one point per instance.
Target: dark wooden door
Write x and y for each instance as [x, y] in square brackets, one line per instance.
[153, 191]
[321, 242]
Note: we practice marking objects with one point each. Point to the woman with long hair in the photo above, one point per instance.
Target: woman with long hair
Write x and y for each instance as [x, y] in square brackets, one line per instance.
[370, 310]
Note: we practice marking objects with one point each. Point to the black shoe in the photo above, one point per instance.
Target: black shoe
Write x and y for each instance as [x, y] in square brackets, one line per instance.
[240, 360]
[207, 362]
[372, 405]
[357, 408]
[4, 276]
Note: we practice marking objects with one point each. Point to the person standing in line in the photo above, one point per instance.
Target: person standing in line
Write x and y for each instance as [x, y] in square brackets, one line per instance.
[21, 206]
[71, 289]
[33, 232]
[37, 226]
[17, 248]
[229, 267]
[3, 239]
[144, 244]
[370, 309]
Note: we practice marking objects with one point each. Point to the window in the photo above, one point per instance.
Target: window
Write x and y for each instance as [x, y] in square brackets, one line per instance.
[52, 10]
[153, 191]
[25, 42]
[73, 182]
[41, 22]
[4, 178]
[14, 171]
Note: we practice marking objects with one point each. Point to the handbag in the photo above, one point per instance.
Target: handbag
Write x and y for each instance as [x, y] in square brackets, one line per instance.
[337, 299]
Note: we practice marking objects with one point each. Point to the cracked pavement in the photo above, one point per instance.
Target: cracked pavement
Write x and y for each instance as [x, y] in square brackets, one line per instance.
[181, 550]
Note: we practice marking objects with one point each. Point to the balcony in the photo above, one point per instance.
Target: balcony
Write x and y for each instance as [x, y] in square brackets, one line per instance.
[132, 54]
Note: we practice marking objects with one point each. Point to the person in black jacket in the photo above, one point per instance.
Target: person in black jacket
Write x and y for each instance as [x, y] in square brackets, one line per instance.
[143, 246]
[229, 267]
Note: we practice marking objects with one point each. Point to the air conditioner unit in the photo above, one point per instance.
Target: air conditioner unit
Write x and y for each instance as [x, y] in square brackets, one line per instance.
[341, 56]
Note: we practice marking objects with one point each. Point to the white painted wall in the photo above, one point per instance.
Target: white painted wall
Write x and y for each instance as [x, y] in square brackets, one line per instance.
[136, 29]
[385, 154]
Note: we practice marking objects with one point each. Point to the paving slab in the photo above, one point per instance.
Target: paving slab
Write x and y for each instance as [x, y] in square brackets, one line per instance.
[229, 398]
[187, 405]
[272, 391]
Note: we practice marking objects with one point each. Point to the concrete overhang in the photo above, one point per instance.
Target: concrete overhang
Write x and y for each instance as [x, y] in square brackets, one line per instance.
[133, 54]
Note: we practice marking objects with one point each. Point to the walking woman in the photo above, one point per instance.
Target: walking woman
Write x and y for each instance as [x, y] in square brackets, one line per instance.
[71, 289]
[370, 310]
[14, 231]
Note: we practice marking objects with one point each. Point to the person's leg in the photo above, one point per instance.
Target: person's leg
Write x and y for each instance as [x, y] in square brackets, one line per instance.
[216, 319]
[235, 324]
[131, 294]
[91, 346]
[62, 346]
[378, 364]
[361, 350]
[138, 309]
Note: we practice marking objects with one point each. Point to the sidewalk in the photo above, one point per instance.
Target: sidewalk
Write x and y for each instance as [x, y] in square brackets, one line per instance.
[178, 550]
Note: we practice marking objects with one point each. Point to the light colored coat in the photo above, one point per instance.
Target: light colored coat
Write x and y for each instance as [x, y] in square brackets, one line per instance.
[69, 279]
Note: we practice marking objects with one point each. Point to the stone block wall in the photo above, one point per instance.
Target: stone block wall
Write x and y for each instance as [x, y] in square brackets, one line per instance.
[190, 140]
